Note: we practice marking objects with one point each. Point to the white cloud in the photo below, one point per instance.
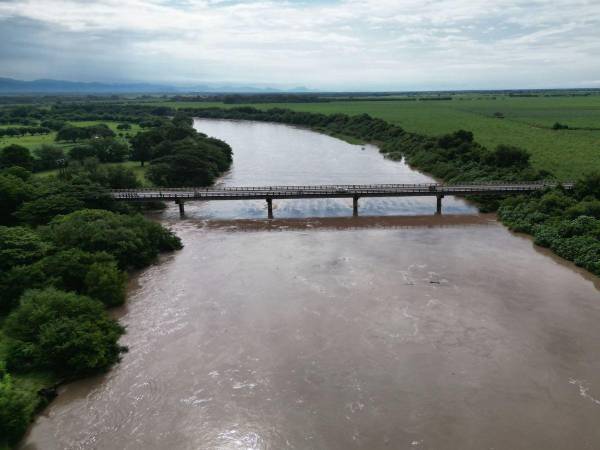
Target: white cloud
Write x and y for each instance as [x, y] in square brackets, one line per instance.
[358, 44]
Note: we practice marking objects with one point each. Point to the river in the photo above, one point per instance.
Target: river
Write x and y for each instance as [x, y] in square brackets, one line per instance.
[376, 332]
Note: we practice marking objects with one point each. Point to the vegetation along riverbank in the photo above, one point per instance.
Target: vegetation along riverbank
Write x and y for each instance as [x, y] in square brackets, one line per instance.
[566, 222]
[66, 248]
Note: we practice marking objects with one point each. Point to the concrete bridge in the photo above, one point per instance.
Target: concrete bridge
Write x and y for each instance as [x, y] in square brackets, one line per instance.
[353, 191]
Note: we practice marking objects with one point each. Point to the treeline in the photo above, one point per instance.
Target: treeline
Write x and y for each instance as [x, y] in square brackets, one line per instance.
[568, 222]
[179, 155]
[23, 131]
[63, 112]
[65, 249]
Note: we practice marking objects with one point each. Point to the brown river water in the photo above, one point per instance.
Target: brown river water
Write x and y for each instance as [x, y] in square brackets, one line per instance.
[394, 330]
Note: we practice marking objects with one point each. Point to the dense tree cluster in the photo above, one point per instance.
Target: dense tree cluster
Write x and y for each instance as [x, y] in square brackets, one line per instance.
[65, 247]
[72, 133]
[23, 131]
[179, 155]
[361, 126]
[566, 222]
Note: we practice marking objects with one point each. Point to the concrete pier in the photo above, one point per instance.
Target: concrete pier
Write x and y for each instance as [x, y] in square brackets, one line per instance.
[270, 208]
[181, 207]
[355, 205]
[438, 209]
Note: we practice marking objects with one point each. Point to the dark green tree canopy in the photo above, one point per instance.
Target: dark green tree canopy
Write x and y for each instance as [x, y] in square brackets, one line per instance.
[16, 155]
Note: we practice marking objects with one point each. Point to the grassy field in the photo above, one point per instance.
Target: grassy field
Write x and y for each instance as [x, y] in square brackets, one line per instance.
[140, 172]
[527, 123]
[32, 142]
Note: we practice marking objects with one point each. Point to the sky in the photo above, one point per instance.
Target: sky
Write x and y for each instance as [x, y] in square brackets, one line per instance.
[320, 44]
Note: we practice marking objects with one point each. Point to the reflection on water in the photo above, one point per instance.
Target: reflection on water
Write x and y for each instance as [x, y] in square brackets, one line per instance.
[337, 333]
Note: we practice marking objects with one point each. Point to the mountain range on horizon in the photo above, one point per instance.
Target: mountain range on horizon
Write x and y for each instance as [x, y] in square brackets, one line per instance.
[50, 86]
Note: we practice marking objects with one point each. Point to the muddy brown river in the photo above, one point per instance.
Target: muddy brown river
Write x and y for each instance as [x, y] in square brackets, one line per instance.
[393, 330]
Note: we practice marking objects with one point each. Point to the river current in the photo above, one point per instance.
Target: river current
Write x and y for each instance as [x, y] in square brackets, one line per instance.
[393, 330]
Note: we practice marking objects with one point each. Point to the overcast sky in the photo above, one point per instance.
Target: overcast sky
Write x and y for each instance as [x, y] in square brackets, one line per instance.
[321, 44]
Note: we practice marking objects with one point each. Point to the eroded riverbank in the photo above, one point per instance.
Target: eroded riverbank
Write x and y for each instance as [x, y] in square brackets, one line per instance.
[414, 332]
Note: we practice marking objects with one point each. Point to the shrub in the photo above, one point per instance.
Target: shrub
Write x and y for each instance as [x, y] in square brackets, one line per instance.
[65, 332]
[16, 408]
[133, 240]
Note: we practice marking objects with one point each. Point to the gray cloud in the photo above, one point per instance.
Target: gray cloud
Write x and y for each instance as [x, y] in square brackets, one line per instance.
[347, 44]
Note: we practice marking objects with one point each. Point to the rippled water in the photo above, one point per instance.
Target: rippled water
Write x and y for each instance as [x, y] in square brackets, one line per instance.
[338, 333]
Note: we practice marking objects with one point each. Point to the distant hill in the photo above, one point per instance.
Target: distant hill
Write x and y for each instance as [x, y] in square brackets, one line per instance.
[12, 86]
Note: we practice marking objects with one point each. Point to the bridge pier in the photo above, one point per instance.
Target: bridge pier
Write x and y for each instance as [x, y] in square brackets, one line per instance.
[270, 208]
[181, 207]
[355, 205]
[438, 209]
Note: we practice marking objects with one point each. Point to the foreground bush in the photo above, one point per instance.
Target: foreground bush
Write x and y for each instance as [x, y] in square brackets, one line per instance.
[16, 408]
[132, 240]
[67, 333]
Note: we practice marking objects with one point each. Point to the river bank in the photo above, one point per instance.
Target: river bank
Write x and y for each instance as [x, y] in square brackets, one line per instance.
[331, 333]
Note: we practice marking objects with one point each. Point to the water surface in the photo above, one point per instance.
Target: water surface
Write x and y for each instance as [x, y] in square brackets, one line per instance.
[340, 333]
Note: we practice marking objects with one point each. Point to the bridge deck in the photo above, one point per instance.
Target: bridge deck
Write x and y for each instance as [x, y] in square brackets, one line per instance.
[330, 191]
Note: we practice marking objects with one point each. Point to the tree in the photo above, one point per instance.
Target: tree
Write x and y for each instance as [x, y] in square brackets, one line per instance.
[14, 191]
[65, 332]
[48, 156]
[82, 152]
[133, 240]
[20, 246]
[94, 274]
[142, 144]
[71, 133]
[43, 209]
[16, 408]
[588, 185]
[509, 156]
[16, 155]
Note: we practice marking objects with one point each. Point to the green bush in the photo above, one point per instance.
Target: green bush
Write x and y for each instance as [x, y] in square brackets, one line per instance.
[16, 408]
[131, 239]
[94, 274]
[65, 332]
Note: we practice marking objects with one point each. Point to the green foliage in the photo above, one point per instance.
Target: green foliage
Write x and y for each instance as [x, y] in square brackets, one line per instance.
[133, 240]
[64, 332]
[48, 157]
[16, 409]
[191, 163]
[180, 155]
[588, 185]
[92, 274]
[73, 133]
[20, 246]
[16, 155]
[558, 221]
[14, 191]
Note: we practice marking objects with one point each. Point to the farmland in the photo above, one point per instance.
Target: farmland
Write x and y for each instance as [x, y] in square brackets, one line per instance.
[527, 122]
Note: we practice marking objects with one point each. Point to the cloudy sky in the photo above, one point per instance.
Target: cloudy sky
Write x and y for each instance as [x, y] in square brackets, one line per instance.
[321, 44]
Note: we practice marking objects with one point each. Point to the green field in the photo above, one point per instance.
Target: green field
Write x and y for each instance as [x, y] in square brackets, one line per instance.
[527, 123]
[140, 172]
[32, 142]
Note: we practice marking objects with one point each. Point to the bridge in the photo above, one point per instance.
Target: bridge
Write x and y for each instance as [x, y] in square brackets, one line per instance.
[353, 191]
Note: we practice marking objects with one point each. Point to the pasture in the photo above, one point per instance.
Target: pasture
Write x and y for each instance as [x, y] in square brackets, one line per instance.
[527, 123]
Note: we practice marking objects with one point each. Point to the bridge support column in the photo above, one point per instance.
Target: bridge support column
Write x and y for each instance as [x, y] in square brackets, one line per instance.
[438, 209]
[355, 205]
[270, 208]
[181, 207]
